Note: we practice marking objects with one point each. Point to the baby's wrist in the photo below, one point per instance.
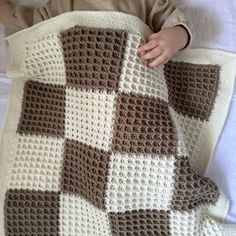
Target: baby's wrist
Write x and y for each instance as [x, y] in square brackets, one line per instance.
[184, 36]
[6, 8]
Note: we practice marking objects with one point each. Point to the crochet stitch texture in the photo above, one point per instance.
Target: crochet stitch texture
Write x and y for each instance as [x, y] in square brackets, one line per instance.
[98, 144]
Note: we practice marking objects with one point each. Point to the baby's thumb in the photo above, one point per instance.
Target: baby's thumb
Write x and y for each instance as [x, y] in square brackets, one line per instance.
[152, 36]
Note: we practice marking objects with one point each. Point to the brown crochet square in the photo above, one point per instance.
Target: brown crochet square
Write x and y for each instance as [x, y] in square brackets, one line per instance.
[191, 189]
[85, 171]
[29, 212]
[192, 88]
[143, 125]
[43, 109]
[140, 223]
[93, 57]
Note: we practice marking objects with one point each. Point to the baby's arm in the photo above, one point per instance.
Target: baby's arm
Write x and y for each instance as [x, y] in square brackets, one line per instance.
[6, 8]
[172, 32]
[162, 46]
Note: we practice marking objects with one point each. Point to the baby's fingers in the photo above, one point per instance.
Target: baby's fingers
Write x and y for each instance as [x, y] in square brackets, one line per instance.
[152, 36]
[157, 51]
[148, 46]
[159, 61]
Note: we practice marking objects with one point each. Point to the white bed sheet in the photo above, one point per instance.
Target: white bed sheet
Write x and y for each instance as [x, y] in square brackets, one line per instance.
[214, 25]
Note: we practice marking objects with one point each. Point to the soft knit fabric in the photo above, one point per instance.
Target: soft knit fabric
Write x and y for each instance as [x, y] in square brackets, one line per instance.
[96, 143]
[156, 14]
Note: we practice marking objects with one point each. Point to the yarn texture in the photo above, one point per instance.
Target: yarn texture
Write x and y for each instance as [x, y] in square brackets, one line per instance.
[98, 144]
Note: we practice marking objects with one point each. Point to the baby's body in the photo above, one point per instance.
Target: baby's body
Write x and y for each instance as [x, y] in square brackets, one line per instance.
[171, 29]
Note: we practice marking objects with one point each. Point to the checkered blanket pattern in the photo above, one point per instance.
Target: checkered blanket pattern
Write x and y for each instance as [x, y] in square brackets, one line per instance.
[103, 144]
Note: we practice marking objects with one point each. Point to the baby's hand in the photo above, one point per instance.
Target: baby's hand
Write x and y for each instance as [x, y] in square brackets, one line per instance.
[6, 8]
[162, 46]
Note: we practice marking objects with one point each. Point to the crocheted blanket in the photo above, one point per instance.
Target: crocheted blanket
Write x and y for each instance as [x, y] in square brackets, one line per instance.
[97, 144]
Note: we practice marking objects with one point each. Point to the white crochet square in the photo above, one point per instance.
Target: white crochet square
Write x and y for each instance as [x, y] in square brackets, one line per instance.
[189, 131]
[136, 77]
[89, 117]
[185, 223]
[37, 163]
[44, 60]
[78, 217]
[188, 223]
[212, 228]
[140, 182]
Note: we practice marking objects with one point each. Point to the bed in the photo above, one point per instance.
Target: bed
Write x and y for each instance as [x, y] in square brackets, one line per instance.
[214, 26]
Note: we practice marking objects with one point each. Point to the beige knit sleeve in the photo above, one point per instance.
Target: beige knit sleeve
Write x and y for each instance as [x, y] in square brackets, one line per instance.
[24, 16]
[165, 14]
